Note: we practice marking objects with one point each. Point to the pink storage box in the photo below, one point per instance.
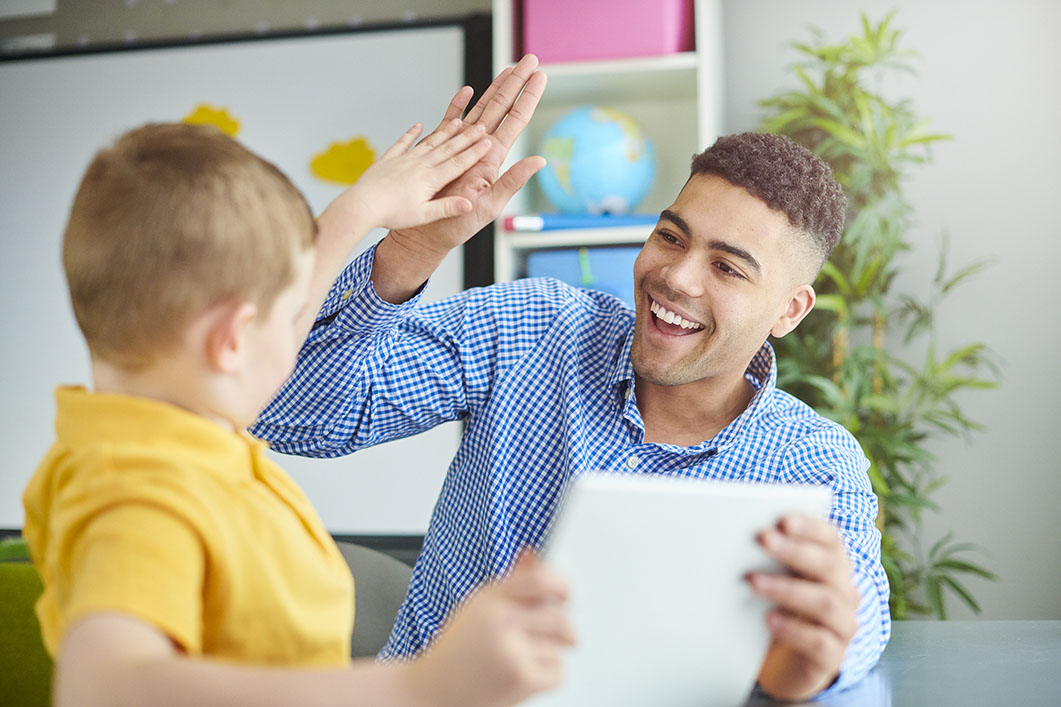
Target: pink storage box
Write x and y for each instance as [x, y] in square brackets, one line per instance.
[579, 30]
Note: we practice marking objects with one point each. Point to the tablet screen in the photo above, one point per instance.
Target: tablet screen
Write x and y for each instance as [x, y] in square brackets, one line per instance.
[659, 601]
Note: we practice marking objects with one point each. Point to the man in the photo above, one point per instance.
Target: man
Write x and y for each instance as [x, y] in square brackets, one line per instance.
[552, 381]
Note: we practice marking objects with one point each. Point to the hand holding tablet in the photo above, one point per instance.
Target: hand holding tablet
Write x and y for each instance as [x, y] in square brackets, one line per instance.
[815, 607]
[660, 597]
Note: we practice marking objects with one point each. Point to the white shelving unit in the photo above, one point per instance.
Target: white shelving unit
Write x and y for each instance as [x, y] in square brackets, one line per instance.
[508, 260]
[675, 97]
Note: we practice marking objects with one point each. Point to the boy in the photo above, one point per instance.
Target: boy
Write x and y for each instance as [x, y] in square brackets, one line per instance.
[180, 565]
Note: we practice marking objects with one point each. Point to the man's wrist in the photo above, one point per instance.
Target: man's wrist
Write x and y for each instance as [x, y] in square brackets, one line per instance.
[399, 272]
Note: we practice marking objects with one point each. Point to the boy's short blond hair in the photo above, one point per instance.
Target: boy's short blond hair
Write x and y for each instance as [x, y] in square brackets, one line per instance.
[168, 222]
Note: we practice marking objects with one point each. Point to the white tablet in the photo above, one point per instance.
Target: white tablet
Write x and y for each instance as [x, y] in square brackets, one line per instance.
[659, 600]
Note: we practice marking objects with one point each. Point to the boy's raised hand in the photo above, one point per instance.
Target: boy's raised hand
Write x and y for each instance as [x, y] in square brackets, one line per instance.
[503, 644]
[401, 189]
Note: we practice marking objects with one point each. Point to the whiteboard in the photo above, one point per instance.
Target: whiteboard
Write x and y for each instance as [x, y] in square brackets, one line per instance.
[293, 97]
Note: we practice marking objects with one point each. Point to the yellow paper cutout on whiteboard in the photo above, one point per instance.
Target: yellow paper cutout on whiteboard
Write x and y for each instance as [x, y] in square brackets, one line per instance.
[205, 114]
[343, 162]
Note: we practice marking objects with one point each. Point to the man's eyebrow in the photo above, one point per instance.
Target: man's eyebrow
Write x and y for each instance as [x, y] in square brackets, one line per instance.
[716, 244]
[676, 220]
[738, 253]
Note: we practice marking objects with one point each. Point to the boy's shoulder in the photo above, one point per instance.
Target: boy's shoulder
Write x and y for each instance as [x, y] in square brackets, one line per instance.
[112, 450]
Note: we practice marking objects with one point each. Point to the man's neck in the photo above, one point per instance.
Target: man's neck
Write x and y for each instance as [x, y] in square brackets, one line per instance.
[687, 415]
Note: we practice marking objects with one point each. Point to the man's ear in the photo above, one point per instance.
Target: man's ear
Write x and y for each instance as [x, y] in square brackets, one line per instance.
[226, 335]
[799, 306]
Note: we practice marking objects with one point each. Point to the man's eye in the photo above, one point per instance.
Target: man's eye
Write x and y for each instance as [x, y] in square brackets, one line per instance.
[667, 237]
[727, 270]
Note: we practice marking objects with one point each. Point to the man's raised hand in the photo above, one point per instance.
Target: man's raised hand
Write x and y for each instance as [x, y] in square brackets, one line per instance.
[408, 256]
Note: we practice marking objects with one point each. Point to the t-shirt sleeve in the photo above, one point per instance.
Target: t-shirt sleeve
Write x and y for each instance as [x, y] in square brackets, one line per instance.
[142, 561]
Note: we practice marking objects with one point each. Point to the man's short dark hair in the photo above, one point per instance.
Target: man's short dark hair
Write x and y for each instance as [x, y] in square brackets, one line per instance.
[787, 177]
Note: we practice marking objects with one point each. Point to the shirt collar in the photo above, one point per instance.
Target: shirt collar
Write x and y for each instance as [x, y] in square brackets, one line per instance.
[91, 418]
[622, 378]
[761, 373]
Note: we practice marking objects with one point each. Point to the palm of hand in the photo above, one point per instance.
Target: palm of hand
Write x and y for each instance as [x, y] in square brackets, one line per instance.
[504, 111]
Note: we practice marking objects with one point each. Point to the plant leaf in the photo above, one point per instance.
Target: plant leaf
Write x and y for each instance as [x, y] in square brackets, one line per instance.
[961, 591]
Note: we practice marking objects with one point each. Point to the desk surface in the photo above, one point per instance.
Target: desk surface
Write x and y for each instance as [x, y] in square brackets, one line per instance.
[960, 663]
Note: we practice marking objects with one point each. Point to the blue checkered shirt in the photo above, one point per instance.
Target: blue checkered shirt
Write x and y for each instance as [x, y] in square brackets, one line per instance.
[540, 372]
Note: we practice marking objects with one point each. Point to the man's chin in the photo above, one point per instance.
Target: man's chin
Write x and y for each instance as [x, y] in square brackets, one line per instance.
[653, 370]
[658, 373]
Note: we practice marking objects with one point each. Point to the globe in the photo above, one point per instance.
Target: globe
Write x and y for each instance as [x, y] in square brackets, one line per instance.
[599, 161]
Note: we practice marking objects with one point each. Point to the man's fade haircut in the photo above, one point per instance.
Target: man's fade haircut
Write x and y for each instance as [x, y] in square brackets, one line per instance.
[170, 220]
[788, 178]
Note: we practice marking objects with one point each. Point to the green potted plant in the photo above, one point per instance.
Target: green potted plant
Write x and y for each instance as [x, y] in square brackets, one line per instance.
[842, 360]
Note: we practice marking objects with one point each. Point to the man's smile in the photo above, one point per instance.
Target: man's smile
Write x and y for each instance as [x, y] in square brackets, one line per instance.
[672, 322]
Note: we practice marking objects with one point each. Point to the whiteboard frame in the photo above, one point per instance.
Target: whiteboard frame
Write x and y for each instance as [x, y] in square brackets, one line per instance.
[393, 491]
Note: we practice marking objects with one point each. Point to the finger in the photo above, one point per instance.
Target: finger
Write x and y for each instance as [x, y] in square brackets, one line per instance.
[498, 105]
[542, 669]
[821, 531]
[442, 133]
[404, 142]
[817, 603]
[532, 580]
[549, 663]
[488, 95]
[549, 621]
[456, 106]
[815, 643]
[458, 164]
[511, 182]
[522, 112]
[456, 144]
[445, 207]
[807, 558]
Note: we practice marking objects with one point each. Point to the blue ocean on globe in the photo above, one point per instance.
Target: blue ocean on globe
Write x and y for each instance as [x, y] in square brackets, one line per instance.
[599, 161]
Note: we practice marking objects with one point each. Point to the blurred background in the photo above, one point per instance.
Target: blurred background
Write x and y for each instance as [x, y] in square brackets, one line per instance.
[986, 74]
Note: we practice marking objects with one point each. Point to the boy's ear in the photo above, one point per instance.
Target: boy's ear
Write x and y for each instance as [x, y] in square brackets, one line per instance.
[226, 336]
[799, 306]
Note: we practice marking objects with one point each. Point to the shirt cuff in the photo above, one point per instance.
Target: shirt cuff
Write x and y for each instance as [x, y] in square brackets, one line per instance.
[353, 304]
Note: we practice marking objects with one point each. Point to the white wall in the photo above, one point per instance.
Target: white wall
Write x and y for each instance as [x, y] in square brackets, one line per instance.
[989, 75]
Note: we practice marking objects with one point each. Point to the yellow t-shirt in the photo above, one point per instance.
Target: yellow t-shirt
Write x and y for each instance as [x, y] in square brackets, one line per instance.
[143, 508]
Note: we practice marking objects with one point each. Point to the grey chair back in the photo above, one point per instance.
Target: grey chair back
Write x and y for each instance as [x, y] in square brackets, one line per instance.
[380, 585]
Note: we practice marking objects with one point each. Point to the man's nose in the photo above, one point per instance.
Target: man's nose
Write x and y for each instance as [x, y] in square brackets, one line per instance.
[685, 276]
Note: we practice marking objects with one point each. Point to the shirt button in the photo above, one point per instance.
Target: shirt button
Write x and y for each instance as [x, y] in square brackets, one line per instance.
[632, 461]
[347, 294]
[629, 392]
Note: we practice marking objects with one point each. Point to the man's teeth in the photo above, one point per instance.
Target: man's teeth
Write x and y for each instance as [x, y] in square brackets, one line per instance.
[672, 318]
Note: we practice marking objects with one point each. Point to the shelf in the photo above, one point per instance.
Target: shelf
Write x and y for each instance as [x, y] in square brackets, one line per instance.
[510, 247]
[667, 77]
[629, 65]
[675, 98]
[517, 240]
